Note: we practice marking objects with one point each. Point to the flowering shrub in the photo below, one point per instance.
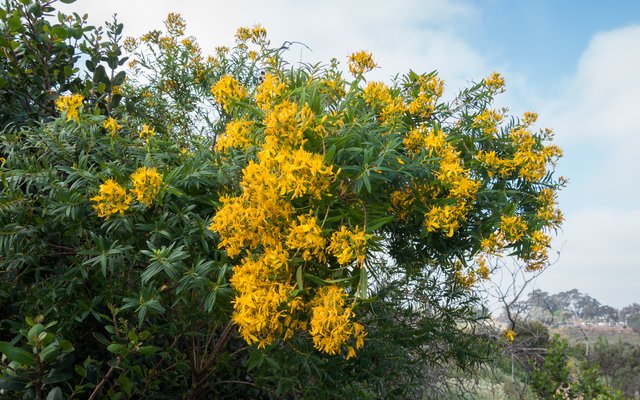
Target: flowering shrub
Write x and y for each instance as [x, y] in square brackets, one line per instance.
[235, 215]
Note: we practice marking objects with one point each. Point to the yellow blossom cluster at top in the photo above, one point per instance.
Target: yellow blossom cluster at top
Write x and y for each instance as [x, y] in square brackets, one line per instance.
[255, 34]
[457, 187]
[269, 91]
[495, 82]
[429, 91]
[361, 62]
[70, 105]
[378, 95]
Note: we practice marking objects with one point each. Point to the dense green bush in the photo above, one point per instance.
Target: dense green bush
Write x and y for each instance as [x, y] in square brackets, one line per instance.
[237, 227]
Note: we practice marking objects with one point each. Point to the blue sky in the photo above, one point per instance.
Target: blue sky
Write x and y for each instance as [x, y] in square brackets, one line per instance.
[577, 63]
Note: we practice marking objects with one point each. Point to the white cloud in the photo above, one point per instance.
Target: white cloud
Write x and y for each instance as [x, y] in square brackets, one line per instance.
[600, 104]
[595, 117]
[599, 255]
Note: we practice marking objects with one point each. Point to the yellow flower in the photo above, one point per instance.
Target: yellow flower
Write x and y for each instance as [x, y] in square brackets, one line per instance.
[70, 104]
[509, 335]
[331, 322]
[228, 91]
[444, 218]
[487, 121]
[376, 92]
[361, 62]
[306, 235]
[112, 199]
[401, 203]
[236, 135]
[112, 126]
[146, 184]
[175, 24]
[147, 132]
[529, 118]
[269, 91]
[495, 82]
[513, 227]
[348, 245]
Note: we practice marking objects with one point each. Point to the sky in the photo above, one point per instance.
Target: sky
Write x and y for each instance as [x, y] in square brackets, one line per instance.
[576, 63]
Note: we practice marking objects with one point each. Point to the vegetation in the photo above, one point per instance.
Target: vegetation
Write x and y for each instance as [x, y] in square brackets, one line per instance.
[233, 226]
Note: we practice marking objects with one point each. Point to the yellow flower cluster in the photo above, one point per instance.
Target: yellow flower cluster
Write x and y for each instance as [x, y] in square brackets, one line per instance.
[495, 82]
[529, 118]
[488, 121]
[332, 322]
[444, 218]
[539, 251]
[430, 90]
[112, 199]
[378, 95]
[175, 24]
[514, 227]
[227, 91]
[146, 132]
[401, 204]
[269, 91]
[112, 126]
[70, 104]
[348, 245]
[455, 180]
[256, 34]
[263, 225]
[263, 307]
[146, 184]
[361, 62]
[306, 236]
[494, 164]
[548, 210]
[236, 135]
[530, 162]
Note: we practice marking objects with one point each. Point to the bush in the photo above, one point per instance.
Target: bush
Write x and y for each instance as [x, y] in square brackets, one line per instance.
[292, 234]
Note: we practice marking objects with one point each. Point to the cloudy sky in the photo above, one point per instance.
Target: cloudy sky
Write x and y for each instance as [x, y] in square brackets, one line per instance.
[577, 63]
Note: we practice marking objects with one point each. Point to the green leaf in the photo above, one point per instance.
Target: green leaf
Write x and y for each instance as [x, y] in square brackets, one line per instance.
[55, 394]
[378, 223]
[35, 331]
[57, 375]
[363, 284]
[119, 78]
[256, 358]
[67, 1]
[17, 354]
[14, 22]
[299, 279]
[146, 350]
[13, 383]
[117, 349]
